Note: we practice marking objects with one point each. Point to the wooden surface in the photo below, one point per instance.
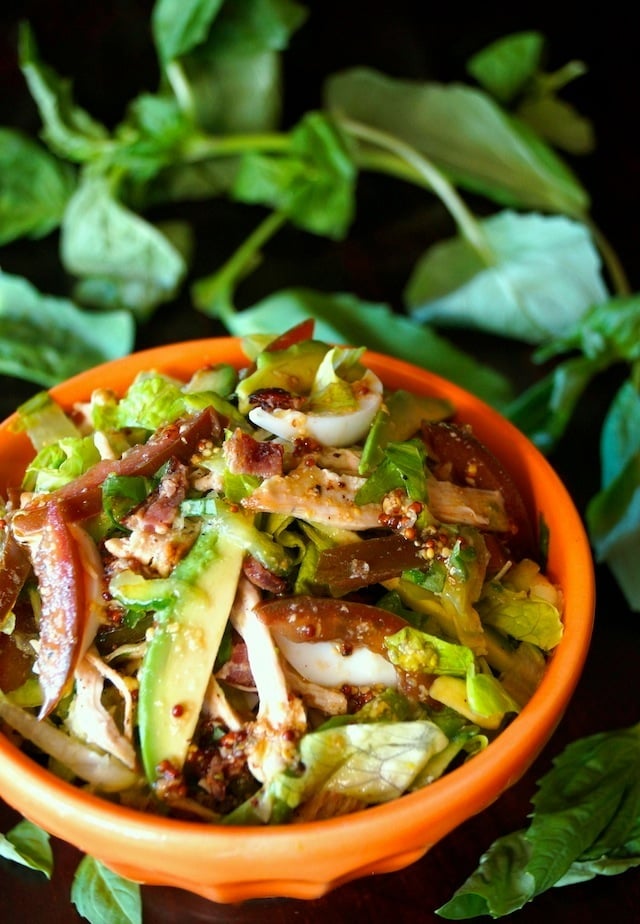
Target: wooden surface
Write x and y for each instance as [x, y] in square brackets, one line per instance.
[395, 37]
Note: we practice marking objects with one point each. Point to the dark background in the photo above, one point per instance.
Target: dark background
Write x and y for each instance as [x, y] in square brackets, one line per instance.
[105, 48]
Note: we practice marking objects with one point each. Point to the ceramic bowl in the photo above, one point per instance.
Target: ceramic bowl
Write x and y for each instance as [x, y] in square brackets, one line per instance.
[306, 860]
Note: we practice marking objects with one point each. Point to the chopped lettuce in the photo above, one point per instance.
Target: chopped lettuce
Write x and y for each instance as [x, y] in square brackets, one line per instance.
[413, 650]
[402, 467]
[526, 618]
[43, 420]
[369, 762]
[59, 463]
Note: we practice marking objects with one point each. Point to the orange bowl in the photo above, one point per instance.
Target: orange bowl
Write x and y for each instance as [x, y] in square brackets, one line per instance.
[228, 864]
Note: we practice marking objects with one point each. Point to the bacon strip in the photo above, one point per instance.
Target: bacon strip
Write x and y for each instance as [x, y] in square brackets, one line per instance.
[248, 456]
[82, 498]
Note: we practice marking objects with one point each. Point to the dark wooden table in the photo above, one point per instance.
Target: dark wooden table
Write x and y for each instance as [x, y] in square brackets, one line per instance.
[399, 38]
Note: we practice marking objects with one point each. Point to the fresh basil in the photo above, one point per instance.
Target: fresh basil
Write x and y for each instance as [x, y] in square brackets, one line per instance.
[585, 822]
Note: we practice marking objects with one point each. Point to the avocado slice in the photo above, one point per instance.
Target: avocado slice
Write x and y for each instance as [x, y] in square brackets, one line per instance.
[179, 660]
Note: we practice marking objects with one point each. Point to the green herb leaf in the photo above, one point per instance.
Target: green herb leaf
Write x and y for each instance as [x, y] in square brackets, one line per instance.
[620, 434]
[461, 130]
[34, 188]
[104, 897]
[180, 25]
[613, 514]
[559, 123]
[150, 139]
[28, 845]
[546, 276]
[103, 240]
[313, 184]
[504, 66]
[46, 340]
[586, 819]
[609, 332]
[544, 410]
[68, 129]
[500, 885]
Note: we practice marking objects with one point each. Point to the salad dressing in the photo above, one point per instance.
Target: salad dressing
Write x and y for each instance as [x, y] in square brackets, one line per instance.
[266, 595]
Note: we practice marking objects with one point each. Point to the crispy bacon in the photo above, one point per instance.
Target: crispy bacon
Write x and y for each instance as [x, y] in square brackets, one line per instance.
[82, 498]
[263, 578]
[236, 671]
[158, 513]
[248, 456]
[271, 399]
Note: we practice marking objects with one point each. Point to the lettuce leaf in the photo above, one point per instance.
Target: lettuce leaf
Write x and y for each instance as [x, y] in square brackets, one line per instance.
[373, 762]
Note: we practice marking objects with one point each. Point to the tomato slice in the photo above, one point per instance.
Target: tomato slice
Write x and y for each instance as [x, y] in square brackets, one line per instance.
[297, 333]
[345, 568]
[469, 462]
[14, 569]
[68, 570]
[304, 618]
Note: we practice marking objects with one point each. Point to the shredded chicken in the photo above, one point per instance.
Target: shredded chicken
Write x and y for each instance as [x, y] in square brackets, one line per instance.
[317, 495]
[452, 503]
[281, 719]
[159, 552]
[217, 706]
[90, 721]
[327, 699]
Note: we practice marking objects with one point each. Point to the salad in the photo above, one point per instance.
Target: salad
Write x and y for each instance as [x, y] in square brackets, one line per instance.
[265, 595]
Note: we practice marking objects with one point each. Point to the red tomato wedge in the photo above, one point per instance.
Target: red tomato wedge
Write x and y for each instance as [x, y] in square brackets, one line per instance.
[68, 569]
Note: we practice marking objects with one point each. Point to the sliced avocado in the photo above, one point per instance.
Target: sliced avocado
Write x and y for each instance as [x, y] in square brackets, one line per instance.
[398, 420]
[181, 653]
[293, 369]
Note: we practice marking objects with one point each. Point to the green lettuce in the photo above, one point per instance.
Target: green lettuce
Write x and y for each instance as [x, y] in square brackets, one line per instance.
[371, 762]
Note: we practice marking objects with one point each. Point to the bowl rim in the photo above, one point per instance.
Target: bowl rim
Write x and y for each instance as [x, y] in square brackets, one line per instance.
[471, 787]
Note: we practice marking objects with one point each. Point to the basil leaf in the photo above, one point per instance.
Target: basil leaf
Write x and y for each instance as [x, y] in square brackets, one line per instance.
[46, 340]
[34, 187]
[150, 139]
[68, 129]
[559, 123]
[499, 886]
[545, 277]
[313, 184]
[104, 897]
[247, 27]
[504, 66]
[104, 240]
[620, 434]
[583, 794]
[28, 845]
[544, 410]
[586, 820]
[466, 134]
[609, 332]
[180, 25]
[613, 519]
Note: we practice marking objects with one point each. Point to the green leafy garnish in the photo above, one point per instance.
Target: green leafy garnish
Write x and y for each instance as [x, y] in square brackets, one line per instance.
[28, 845]
[585, 822]
[102, 896]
